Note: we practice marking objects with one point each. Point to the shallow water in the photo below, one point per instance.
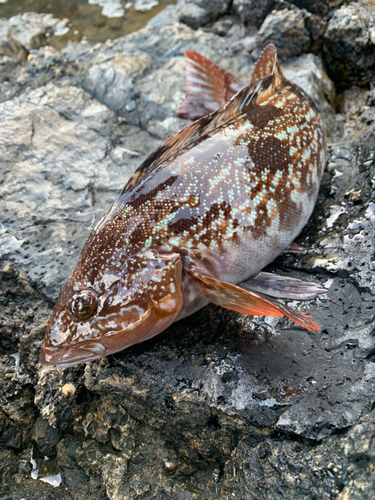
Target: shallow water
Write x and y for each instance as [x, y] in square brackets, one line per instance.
[86, 21]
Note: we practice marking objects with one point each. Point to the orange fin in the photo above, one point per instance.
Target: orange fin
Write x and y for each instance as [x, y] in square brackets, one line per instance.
[244, 301]
[208, 86]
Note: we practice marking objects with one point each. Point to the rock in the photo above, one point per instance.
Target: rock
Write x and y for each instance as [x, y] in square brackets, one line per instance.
[18, 36]
[169, 15]
[288, 30]
[320, 7]
[307, 71]
[252, 12]
[349, 44]
[110, 86]
[214, 8]
[28, 31]
[45, 436]
[193, 15]
[220, 405]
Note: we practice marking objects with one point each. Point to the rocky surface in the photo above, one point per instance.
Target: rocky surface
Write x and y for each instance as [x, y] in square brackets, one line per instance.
[220, 405]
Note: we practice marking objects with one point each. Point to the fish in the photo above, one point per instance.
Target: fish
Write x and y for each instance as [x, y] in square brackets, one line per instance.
[200, 218]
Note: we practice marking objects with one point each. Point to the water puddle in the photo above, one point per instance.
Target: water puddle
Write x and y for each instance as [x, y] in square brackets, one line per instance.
[92, 20]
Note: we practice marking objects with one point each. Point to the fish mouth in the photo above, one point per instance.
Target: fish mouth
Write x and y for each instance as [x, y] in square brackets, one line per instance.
[63, 357]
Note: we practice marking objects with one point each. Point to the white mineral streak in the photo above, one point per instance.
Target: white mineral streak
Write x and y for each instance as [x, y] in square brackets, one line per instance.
[54, 479]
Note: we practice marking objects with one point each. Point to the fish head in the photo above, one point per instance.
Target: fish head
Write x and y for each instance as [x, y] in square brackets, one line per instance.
[130, 303]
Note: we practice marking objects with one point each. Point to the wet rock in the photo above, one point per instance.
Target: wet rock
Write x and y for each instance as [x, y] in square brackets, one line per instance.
[349, 44]
[220, 404]
[45, 436]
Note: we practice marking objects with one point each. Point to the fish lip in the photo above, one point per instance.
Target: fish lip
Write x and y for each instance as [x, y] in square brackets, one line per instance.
[64, 357]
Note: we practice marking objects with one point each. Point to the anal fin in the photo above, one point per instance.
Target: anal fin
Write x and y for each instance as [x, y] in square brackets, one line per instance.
[294, 248]
[283, 287]
[244, 301]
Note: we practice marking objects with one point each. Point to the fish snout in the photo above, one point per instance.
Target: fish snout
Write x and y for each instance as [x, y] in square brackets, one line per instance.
[65, 356]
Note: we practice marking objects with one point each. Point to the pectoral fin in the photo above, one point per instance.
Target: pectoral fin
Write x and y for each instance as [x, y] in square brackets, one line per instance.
[283, 286]
[247, 302]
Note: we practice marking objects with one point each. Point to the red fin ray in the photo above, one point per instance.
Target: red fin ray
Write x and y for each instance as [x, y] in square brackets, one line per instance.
[208, 86]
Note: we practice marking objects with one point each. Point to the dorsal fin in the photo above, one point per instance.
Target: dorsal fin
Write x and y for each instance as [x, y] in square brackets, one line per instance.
[268, 65]
[208, 86]
[233, 110]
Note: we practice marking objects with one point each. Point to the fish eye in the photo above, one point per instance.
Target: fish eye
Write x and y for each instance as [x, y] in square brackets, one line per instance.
[84, 305]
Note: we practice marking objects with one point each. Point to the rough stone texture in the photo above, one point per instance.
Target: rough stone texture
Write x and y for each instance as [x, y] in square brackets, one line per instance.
[308, 72]
[294, 32]
[22, 33]
[169, 15]
[220, 405]
[194, 13]
[349, 43]
[252, 12]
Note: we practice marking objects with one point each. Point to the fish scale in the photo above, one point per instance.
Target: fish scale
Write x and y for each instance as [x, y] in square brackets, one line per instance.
[206, 211]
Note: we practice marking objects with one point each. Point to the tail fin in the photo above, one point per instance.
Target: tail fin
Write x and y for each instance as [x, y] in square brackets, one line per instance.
[208, 86]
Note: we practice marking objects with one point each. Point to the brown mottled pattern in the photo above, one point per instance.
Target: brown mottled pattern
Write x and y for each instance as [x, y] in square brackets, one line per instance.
[228, 193]
[261, 167]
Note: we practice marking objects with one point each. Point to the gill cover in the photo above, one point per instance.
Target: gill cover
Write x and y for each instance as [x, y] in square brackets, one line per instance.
[133, 308]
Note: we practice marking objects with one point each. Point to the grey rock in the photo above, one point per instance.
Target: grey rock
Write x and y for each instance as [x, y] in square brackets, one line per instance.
[286, 29]
[252, 12]
[110, 86]
[349, 44]
[197, 13]
[215, 8]
[308, 72]
[193, 15]
[221, 404]
[318, 7]
[28, 31]
[169, 15]
[18, 36]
